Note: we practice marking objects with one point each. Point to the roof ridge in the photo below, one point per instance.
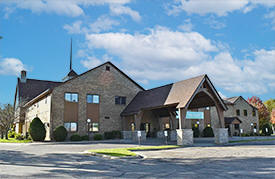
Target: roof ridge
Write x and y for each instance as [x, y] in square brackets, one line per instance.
[158, 87]
[44, 80]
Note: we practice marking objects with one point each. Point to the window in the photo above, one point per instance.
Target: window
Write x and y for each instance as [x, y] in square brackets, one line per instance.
[121, 100]
[71, 97]
[236, 126]
[93, 98]
[238, 112]
[94, 127]
[71, 126]
[245, 112]
[254, 112]
[107, 68]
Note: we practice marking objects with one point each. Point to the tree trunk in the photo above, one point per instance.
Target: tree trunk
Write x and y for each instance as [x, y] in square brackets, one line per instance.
[6, 136]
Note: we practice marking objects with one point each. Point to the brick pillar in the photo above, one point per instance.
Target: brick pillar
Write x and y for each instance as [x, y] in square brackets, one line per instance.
[221, 135]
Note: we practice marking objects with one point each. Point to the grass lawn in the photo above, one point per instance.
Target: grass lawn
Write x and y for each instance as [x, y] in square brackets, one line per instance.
[250, 140]
[12, 140]
[124, 152]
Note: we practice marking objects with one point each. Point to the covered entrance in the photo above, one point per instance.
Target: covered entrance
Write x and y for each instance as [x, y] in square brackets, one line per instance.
[165, 108]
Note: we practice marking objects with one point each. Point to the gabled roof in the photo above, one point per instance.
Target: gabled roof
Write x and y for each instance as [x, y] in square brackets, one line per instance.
[183, 90]
[148, 99]
[32, 88]
[233, 100]
[178, 94]
[229, 120]
[110, 63]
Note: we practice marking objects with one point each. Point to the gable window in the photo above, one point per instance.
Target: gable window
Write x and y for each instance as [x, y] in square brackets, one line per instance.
[93, 98]
[71, 97]
[121, 100]
[71, 126]
[238, 112]
[245, 112]
[107, 68]
[254, 112]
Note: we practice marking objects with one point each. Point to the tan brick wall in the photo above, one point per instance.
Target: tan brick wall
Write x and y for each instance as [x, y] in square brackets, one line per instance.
[107, 84]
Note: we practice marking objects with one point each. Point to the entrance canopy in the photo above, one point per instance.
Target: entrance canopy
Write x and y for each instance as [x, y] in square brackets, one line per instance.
[192, 93]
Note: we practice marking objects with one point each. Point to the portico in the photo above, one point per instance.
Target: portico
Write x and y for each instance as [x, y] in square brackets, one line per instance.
[165, 108]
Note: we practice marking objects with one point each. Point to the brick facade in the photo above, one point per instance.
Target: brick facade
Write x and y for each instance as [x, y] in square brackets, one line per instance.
[106, 84]
[240, 105]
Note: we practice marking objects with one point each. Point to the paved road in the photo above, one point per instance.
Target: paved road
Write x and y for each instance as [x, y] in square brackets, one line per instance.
[256, 160]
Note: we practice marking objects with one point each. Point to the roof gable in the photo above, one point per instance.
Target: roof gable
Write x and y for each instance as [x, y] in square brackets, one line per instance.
[115, 67]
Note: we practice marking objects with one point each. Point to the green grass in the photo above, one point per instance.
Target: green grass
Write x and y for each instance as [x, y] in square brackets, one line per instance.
[126, 152]
[250, 140]
[12, 140]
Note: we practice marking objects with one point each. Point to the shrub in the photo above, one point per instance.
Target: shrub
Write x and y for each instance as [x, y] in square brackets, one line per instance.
[208, 132]
[37, 130]
[60, 134]
[269, 130]
[196, 131]
[11, 134]
[75, 137]
[19, 137]
[98, 137]
[85, 137]
[112, 135]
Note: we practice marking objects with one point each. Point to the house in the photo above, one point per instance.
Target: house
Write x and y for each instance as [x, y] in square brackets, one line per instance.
[240, 116]
[272, 117]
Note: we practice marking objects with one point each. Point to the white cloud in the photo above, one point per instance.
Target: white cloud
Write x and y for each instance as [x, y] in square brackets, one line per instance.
[163, 54]
[120, 10]
[75, 28]
[103, 23]
[271, 16]
[186, 26]
[90, 62]
[69, 7]
[214, 23]
[11, 66]
[217, 7]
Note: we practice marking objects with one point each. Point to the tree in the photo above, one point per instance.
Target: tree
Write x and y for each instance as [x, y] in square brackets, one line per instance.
[7, 118]
[270, 104]
[264, 115]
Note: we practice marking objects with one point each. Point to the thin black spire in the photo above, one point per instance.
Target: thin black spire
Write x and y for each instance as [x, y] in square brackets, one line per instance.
[71, 60]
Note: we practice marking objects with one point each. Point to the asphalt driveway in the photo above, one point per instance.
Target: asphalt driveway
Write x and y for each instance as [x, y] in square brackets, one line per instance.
[47, 160]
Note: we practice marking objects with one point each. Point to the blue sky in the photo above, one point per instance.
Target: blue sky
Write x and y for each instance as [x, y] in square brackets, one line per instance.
[154, 41]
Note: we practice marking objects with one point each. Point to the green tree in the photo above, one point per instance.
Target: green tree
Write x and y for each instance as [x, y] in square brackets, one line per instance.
[264, 115]
[270, 104]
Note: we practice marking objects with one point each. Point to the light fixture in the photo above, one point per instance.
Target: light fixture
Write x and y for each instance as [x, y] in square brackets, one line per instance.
[88, 120]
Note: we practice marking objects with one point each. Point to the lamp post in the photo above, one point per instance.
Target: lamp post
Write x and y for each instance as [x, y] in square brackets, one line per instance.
[251, 128]
[88, 127]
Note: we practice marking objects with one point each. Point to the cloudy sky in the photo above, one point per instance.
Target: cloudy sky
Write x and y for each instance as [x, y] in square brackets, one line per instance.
[154, 41]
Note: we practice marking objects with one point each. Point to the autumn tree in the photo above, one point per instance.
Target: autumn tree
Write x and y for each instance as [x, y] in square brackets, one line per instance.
[264, 115]
[270, 104]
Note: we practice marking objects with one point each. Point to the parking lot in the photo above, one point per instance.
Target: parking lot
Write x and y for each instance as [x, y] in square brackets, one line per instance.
[49, 160]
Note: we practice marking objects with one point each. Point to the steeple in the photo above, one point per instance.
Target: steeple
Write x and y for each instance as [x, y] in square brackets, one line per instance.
[71, 73]
[71, 58]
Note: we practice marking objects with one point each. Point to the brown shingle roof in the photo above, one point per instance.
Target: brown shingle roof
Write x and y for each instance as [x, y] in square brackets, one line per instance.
[231, 100]
[229, 120]
[148, 99]
[32, 88]
[182, 91]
